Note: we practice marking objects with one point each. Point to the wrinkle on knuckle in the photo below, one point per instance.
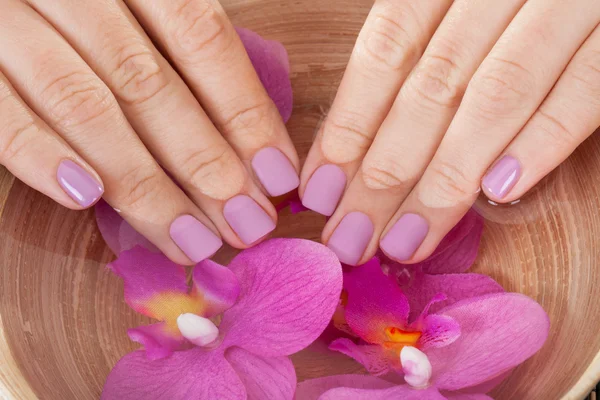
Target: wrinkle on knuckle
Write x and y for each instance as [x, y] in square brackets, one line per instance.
[141, 186]
[138, 74]
[502, 88]
[76, 98]
[199, 29]
[344, 138]
[16, 138]
[215, 171]
[449, 186]
[251, 127]
[555, 131]
[438, 80]
[386, 173]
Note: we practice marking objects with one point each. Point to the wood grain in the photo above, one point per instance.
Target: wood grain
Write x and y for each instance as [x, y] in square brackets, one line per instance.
[63, 321]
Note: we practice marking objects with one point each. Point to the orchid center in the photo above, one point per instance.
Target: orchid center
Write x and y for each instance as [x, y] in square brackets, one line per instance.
[416, 367]
[198, 330]
[398, 338]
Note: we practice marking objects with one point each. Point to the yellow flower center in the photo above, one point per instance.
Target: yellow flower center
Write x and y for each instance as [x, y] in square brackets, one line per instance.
[168, 306]
[398, 338]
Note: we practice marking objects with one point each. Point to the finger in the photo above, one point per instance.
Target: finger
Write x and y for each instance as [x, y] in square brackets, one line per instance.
[166, 115]
[61, 89]
[389, 45]
[504, 93]
[203, 44]
[568, 116]
[40, 158]
[415, 126]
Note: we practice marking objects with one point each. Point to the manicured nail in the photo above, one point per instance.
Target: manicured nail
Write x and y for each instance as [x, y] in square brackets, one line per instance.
[78, 183]
[502, 177]
[194, 239]
[405, 237]
[351, 238]
[275, 172]
[248, 219]
[324, 189]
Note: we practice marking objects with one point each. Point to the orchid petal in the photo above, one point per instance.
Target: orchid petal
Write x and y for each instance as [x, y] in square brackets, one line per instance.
[264, 378]
[154, 285]
[158, 340]
[403, 392]
[458, 250]
[291, 200]
[440, 331]
[290, 289]
[271, 62]
[466, 396]
[312, 389]
[374, 303]
[498, 332]
[455, 287]
[372, 357]
[116, 232]
[216, 286]
[196, 373]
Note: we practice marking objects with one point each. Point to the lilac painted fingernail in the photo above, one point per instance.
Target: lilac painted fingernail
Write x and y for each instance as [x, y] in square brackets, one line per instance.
[247, 219]
[78, 183]
[324, 189]
[275, 171]
[194, 239]
[502, 177]
[405, 237]
[351, 238]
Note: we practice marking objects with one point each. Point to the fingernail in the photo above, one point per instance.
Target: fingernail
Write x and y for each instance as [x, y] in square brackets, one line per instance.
[324, 189]
[405, 237]
[194, 238]
[502, 177]
[78, 183]
[247, 219]
[351, 238]
[275, 171]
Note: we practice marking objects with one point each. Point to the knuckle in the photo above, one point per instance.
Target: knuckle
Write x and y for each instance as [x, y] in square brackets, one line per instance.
[141, 185]
[344, 137]
[208, 169]
[76, 98]
[388, 43]
[198, 27]
[450, 184]
[16, 138]
[555, 131]
[254, 124]
[386, 173]
[438, 80]
[502, 87]
[586, 69]
[137, 74]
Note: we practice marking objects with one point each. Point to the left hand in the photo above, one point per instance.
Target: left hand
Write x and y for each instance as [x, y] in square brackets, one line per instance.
[442, 98]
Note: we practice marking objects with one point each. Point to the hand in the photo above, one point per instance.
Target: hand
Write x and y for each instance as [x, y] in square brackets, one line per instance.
[90, 108]
[441, 98]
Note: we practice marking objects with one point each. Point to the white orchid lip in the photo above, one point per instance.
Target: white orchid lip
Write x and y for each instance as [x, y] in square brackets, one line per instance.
[198, 330]
[416, 366]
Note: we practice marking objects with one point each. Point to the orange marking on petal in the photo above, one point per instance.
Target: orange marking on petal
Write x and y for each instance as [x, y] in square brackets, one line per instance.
[398, 338]
[167, 306]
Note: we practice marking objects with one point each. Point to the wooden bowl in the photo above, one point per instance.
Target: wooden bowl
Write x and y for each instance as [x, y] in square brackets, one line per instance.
[62, 315]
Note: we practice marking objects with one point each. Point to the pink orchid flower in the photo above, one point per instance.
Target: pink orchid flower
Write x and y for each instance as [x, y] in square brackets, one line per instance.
[273, 300]
[461, 351]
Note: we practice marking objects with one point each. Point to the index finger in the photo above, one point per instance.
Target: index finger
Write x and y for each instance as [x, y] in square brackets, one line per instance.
[203, 44]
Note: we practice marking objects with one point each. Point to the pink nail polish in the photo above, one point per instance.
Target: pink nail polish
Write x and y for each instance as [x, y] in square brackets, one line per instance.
[324, 189]
[275, 171]
[194, 239]
[405, 237]
[502, 177]
[247, 219]
[78, 184]
[351, 238]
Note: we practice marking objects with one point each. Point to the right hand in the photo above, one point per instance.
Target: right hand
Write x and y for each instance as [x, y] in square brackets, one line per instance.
[91, 108]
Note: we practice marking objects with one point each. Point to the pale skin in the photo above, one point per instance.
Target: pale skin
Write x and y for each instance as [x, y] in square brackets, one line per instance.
[441, 99]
